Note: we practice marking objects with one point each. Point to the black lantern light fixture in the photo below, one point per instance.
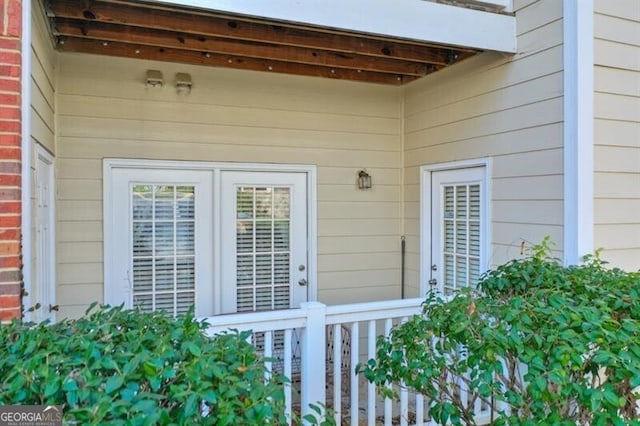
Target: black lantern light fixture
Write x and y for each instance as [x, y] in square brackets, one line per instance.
[364, 180]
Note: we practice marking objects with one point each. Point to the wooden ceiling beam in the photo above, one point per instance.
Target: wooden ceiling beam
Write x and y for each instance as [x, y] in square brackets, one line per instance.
[143, 36]
[72, 44]
[211, 25]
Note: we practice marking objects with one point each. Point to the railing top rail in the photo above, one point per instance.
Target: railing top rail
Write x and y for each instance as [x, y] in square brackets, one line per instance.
[295, 318]
[257, 321]
[338, 314]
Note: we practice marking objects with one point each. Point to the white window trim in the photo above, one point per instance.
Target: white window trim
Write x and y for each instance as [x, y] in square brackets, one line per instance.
[110, 164]
[425, 212]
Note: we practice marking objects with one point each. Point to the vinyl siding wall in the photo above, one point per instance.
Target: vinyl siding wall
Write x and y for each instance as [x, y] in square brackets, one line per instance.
[617, 131]
[43, 62]
[105, 111]
[509, 108]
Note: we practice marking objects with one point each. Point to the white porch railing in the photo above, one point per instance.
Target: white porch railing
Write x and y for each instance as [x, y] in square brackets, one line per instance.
[299, 337]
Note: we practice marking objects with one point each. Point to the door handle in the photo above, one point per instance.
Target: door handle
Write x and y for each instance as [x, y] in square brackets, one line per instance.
[302, 282]
[54, 308]
[433, 282]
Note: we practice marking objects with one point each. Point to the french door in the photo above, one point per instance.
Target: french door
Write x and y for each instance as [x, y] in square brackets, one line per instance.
[458, 218]
[158, 233]
[224, 241]
[264, 238]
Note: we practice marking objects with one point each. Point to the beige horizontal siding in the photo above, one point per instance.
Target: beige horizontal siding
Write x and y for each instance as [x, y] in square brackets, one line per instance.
[513, 234]
[42, 84]
[621, 235]
[543, 188]
[621, 9]
[88, 148]
[509, 108]
[344, 244]
[79, 273]
[617, 132]
[372, 294]
[105, 111]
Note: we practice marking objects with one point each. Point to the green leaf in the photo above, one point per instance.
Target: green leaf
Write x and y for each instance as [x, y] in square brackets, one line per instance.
[541, 382]
[113, 383]
[70, 385]
[191, 405]
[195, 350]
[109, 363]
[612, 398]
[51, 388]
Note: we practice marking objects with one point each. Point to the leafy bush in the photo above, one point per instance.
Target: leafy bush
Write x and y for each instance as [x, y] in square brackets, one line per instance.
[127, 367]
[538, 342]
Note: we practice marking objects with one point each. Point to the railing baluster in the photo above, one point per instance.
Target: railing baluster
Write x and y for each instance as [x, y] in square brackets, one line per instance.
[404, 397]
[404, 404]
[388, 403]
[355, 350]
[337, 372]
[268, 352]
[287, 356]
[371, 387]
[464, 392]
[419, 409]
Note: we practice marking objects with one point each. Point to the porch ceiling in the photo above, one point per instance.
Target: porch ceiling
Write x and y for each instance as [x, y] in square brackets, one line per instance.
[150, 30]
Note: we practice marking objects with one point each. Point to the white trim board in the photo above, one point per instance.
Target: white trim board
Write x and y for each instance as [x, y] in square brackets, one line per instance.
[408, 19]
[216, 168]
[27, 152]
[578, 129]
[425, 210]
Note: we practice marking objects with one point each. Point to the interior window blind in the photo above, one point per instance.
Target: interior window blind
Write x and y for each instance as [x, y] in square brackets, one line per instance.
[163, 255]
[263, 248]
[461, 242]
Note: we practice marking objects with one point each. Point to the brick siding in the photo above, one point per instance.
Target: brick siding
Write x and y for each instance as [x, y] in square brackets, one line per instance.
[10, 160]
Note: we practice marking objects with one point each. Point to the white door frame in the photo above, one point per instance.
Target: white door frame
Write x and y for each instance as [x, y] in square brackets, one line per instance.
[426, 213]
[109, 164]
[46, 254]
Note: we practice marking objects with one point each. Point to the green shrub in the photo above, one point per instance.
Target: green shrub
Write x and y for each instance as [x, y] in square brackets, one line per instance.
[539, 342]
[127, 367]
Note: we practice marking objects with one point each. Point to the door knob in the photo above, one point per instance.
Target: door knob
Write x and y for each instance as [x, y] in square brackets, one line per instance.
[302, 282]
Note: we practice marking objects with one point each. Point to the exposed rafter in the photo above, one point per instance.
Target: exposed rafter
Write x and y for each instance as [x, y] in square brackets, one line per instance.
[151, 31]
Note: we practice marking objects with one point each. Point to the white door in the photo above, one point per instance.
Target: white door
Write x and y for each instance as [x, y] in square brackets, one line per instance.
[158, 225]
[458, 221]
[264, 240]
[43, 282]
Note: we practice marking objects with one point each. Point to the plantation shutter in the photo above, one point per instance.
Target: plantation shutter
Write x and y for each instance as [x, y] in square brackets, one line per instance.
[461, 235]
[163, 224]
[263, 249]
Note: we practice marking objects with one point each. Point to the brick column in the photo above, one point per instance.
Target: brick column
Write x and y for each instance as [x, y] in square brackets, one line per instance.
[10, 159]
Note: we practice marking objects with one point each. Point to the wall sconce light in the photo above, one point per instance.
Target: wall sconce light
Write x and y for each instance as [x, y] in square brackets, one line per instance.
[364, 180]
[183, 83]
[154, 79]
